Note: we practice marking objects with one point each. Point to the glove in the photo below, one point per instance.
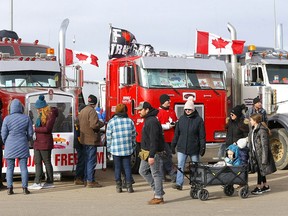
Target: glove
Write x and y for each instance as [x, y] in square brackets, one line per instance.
[202, 152]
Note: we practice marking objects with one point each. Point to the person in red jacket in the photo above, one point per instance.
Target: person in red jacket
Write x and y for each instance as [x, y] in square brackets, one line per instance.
[43, 144]
[167, 118]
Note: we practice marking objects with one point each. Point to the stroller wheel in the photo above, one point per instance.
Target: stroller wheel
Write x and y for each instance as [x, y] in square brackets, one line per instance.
[244, 192]
[193, 193]
[229, 190]
[203, 194]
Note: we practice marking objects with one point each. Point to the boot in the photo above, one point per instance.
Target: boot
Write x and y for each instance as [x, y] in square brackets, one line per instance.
[130, 188]
[118, 186]
[26, 191]
[10, 191]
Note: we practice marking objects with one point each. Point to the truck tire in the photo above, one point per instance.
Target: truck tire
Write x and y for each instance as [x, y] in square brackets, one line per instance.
[278, 143]
[135, 160]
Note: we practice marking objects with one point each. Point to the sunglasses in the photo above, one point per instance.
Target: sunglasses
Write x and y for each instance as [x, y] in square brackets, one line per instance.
[232, 114]
[188, 109]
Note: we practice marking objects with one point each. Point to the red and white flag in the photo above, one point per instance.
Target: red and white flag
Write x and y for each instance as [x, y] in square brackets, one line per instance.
[211, 44]
[80, 57]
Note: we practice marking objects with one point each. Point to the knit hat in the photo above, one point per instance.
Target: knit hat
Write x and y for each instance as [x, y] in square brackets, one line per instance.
[121, 108]
[92, 99]
[189, 103]
[144, 105]
[256, 100]
[237, 110]
[163, 98]
[40, 103]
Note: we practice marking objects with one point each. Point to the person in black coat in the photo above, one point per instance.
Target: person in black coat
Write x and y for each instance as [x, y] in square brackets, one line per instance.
[152, 147]
[190, 139]
[260, 153]
[236, 127]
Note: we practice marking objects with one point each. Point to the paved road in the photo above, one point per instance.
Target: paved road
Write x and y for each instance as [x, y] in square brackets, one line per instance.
[67, 199]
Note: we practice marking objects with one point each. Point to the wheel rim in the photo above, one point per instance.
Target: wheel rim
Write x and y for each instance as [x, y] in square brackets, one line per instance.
[277, 149]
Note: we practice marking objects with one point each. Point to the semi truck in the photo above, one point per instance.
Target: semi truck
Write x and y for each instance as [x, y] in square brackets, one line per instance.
[28, 70]
[131, 80]
[263, 72]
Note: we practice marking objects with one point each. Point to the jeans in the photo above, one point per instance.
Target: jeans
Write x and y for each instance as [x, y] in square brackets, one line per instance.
[181, 165]
[153, 175]
[90, 162]
[1, 160]
[10, 172]
[45, 156]
[125, 162]
[80, 166]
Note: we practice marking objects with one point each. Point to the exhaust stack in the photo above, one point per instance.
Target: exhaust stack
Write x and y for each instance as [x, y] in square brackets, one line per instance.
[61, 51]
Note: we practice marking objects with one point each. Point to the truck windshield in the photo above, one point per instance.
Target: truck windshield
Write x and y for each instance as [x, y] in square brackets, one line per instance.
[179, 78]
[277, 74]
[29, 79]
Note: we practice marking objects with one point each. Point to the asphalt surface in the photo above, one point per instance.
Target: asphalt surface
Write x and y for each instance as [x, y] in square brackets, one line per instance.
[67, 199]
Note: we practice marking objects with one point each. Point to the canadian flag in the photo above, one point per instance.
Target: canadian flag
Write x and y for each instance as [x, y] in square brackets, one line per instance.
[83, 57]
[211, 44]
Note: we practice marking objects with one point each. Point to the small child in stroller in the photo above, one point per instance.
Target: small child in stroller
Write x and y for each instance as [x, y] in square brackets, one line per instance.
[237, 153]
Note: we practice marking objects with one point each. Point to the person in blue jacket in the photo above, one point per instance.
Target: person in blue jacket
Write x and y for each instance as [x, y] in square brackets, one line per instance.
[16, 131]
[232, 155]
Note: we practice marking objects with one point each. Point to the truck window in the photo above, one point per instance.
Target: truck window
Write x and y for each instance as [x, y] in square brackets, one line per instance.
[180, 78]
[29, 79]
[277, 74]
[31, 50]
[257, 76]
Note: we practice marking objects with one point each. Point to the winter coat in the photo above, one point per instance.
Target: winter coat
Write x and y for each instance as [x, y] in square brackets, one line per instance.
[236, 129]
[121, 135]
[262, 153]
[16, 131]
[190, 136]
[44, 138]
[89, 126]
[152, 138]
[261, 111]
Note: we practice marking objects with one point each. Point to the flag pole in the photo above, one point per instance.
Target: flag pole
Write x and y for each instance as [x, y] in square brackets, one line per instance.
[110, 34]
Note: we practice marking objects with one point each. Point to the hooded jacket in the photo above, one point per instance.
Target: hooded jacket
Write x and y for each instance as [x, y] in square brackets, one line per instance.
[261, 150]
[44, 138]
[236, 160]
[152, 134]
[16, 131]
[190, 136]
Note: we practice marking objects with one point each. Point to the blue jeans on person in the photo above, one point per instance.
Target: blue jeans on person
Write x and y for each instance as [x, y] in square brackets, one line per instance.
[125, 162]
[181, 165]
[153, 175]
[10, 172]
[90, 162]
[80, 166]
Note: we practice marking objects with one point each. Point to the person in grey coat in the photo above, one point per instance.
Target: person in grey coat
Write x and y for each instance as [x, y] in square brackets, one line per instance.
[16, 131]
[260, 153]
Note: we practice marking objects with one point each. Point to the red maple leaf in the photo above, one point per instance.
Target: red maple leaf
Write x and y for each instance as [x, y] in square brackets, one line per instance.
[219, 43]
[126, 36]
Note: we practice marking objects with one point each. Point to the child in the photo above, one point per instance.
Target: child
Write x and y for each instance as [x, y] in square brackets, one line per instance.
[232, 155]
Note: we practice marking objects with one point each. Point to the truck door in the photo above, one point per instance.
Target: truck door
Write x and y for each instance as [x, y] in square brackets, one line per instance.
[127, 88]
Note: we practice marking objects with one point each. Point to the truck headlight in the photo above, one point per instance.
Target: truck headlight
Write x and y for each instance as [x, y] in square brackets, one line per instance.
[220, 135]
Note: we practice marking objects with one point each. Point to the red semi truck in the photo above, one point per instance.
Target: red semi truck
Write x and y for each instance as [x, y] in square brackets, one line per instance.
[130, 80]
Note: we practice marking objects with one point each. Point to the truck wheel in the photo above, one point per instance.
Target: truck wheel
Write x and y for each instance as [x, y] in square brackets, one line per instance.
[135, 160]
[278, 143]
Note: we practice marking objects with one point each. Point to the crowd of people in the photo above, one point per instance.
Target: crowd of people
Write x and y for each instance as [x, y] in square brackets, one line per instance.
[163, 135]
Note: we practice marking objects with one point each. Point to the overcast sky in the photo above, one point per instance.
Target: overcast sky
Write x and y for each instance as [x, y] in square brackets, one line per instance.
[165, 24]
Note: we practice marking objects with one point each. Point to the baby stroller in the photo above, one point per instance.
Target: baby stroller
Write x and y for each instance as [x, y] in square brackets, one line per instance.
[201, 176]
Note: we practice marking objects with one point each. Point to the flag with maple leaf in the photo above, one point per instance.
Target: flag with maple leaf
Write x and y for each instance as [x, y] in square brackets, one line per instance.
[73, 57]
[211, 44]
[121, 42]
